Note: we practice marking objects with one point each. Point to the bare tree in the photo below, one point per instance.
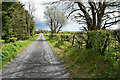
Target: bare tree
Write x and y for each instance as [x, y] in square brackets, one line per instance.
[55, 18]
[31, 10]
[96, 15]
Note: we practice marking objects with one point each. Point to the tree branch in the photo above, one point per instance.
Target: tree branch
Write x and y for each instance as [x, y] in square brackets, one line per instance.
[72, 12]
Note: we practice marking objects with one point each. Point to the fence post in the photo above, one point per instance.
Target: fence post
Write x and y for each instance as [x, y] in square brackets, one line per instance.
[73, 40]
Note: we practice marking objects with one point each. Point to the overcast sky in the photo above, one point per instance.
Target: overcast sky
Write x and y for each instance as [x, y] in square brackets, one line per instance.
[39, 16]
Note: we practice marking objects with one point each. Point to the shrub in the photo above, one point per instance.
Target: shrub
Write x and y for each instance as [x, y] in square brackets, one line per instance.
[56, 37]
[22, 37]
[99, 39]
[116, 34]
[13, 39]
[3, 41]
[62, 37]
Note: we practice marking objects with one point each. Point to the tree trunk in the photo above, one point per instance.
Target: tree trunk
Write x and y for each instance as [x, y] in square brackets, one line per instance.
[29, 22]
[88, 44]
[52, 32]
[73, 40]
[104, 47]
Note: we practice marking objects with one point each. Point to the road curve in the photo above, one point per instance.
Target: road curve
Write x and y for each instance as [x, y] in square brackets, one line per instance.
[38, 60]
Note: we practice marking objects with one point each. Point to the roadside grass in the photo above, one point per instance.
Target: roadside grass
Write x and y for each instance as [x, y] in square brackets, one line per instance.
[84, 63]
[11, 50]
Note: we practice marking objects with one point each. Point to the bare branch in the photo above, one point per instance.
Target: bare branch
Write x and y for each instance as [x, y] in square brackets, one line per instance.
[110, 24]
[73, 12]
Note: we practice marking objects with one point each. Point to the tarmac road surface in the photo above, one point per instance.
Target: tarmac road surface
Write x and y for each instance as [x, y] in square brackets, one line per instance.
[38, 60]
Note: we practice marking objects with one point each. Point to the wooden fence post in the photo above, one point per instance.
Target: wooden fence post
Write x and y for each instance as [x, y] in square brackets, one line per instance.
[73, 40]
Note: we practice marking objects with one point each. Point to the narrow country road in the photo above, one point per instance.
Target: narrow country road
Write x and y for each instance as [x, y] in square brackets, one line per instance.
[38, 60]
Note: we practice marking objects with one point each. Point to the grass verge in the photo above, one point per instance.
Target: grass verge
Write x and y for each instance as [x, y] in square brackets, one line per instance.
[84, 63]
[11, 50]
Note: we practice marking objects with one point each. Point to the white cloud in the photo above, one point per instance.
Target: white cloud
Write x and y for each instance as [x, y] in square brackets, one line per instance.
[39, 13]
[39, 8]
[72, 26]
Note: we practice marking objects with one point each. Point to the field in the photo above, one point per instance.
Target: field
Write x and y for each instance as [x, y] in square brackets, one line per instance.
[86, 63]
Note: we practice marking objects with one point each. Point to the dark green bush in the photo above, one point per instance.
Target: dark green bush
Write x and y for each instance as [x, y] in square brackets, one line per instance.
[22, 37]
[99, 39]
[116, 34]
[106, 42]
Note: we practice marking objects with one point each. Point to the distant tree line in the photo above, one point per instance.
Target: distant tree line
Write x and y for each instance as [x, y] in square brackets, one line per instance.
[41, 31]
[15, 22]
